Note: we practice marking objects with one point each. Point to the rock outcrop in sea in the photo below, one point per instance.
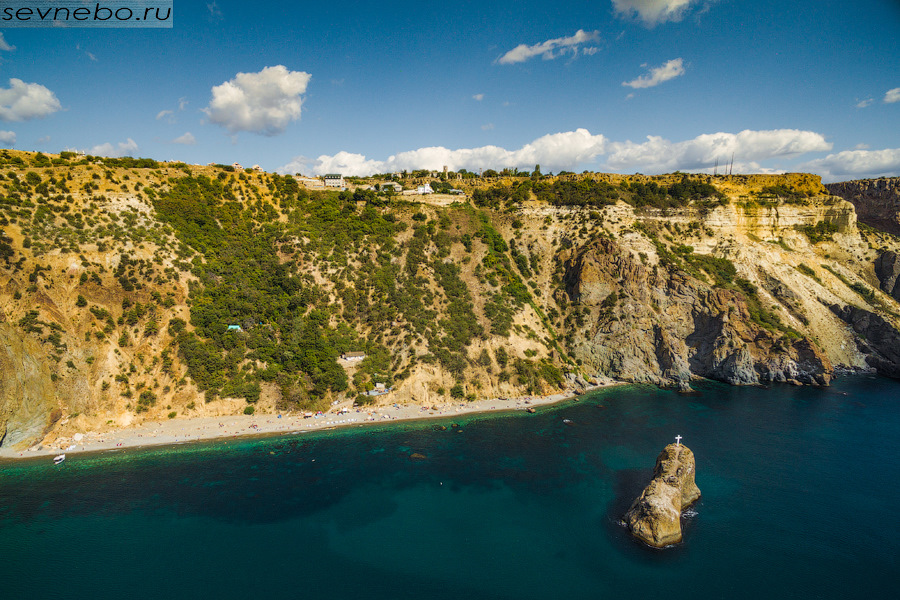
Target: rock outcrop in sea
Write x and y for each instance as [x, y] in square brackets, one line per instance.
[655, 516]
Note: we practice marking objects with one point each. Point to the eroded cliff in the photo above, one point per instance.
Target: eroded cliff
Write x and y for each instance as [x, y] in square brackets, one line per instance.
[132, 290]
[658, 324]
[877, 201]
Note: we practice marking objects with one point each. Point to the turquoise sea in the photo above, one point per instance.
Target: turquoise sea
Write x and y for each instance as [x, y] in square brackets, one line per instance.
[797, 483]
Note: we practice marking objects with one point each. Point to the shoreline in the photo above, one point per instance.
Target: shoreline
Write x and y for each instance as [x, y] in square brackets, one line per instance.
[199, 429]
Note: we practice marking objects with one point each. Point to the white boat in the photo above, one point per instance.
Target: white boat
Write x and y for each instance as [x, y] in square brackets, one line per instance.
[59, 458]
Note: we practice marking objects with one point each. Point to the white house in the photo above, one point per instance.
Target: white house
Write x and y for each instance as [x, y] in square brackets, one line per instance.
[424, 189]
[334, 180]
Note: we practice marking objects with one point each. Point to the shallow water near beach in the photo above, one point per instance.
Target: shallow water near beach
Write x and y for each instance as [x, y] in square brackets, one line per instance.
[797, 503]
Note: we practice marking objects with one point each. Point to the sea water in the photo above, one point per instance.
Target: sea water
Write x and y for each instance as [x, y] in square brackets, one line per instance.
[798, 502]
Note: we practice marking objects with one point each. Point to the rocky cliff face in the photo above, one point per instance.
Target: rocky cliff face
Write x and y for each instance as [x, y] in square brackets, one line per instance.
[655, 516]
[887, 269]
[29, 404]
[877, 338]
[528, 297]
[877, 201]
[663, 326]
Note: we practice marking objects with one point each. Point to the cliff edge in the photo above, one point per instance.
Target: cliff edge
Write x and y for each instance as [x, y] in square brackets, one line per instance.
[877, 201]
[655, 516]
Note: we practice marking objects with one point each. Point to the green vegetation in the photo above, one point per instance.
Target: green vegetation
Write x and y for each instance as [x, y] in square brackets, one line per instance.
[590, 192]
[758, 314]
[258, 317]
[583, 192]
[820, 232]
[782, 191]
[244, 284]
[533, 374]
[145, 401]
[721, 270]
[807, 270]
[863, 290]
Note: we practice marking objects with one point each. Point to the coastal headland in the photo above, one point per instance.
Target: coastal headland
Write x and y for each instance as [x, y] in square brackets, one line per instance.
[136, 292]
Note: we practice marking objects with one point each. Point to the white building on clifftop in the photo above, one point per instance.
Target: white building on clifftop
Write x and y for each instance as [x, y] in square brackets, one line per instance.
[334, 180]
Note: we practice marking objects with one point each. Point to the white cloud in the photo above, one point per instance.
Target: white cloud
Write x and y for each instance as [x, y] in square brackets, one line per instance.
[5, 46]
[553, 152]
[864, 103]
[892, 96]
[550, 49]
[861, 146]
[126, 148]
[590, 51]
[653, 12]
[23, 101]
[215, 13]
[487, 126]
[90, 55]
[264, 102]
[658, 155]
[169, 115]
[8, 137]
[187, 139]
[572, 150]
[478, 97]
[672, 69]
[856, 164]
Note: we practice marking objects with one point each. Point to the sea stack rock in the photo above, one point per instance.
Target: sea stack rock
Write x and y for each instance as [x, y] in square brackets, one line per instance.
[655, 516]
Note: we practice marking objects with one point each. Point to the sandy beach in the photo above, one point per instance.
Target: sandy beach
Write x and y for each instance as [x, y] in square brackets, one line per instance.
[178, 431]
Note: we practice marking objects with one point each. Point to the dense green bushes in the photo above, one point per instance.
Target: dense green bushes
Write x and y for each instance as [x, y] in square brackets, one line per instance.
[249, 305]
[590, 192]
[820, 232]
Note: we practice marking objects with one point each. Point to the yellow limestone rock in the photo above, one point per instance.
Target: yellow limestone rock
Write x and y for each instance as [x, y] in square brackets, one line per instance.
[655, 516]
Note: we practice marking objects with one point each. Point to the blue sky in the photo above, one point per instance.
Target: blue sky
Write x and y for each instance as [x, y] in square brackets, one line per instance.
[626, 86]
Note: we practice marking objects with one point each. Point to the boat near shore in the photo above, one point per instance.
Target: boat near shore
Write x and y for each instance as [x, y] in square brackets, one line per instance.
[59, 458]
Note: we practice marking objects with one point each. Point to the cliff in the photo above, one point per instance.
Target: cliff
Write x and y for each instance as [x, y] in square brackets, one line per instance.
[655, 516]
[887, 269]
[133, 290]
[877, 338]
[877, 201]
[664, 326]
